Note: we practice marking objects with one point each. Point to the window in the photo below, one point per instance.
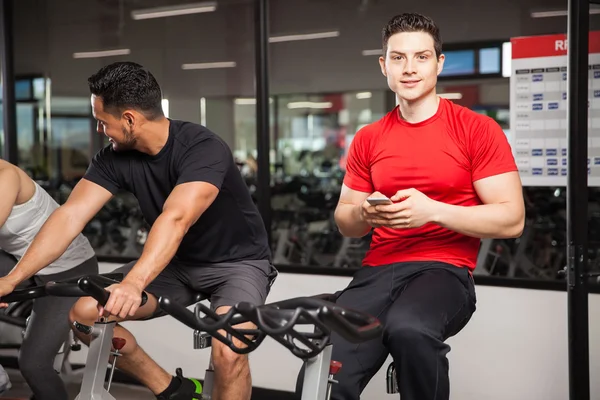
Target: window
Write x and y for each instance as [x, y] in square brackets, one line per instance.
[489, 61]
[310, 139]
[459, 62]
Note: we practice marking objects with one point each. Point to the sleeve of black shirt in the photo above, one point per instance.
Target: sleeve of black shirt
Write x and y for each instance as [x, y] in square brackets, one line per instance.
[102, 171]
[205, 161]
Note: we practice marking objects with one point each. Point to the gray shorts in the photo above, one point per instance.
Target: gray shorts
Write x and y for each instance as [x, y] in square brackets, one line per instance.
[225, 284]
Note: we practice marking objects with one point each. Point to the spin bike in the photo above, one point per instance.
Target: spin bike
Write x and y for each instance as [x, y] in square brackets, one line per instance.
[102, 341]
[279, 320]
[276, 320]
[24, 297]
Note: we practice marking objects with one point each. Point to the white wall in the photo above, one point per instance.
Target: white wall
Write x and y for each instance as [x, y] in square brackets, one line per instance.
[515, 346]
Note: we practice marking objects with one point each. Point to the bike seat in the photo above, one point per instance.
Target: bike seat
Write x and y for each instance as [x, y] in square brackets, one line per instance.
[200, 297]
[116, 276]
[331, 297]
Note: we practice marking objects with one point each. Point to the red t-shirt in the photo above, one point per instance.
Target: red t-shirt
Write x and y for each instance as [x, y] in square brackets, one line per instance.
[441, 157]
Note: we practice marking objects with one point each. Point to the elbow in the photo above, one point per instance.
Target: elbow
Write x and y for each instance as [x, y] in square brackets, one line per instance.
[338, 222]
[179, 225]
[514, 225]
[345, 233]
[68, 218]
[350, 233]
[348, 224]
[182, 227]
[343, 228]
[515, 230]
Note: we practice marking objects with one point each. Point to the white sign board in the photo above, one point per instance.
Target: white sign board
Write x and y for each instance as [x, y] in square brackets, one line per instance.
[538, 109]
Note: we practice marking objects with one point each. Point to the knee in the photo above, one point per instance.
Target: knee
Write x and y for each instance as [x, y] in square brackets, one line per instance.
[227, 362]
[84, 311]
[409, 336]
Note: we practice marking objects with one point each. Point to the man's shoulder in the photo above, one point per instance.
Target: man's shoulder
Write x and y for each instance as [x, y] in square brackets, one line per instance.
[189, 134]
[108, 155]
[467, 117]
[105, 154]
[372, 129]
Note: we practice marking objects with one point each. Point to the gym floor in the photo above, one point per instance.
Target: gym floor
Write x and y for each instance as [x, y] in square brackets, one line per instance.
[20, 390]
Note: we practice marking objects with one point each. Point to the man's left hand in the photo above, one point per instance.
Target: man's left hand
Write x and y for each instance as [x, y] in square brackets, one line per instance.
[411, 209]
[6, 288]
[125, 299]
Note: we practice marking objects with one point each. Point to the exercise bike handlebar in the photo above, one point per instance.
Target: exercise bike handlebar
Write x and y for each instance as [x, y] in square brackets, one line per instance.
[34, 292]
[24, 294]
[89, 285]
[278, 320]
[352, 325]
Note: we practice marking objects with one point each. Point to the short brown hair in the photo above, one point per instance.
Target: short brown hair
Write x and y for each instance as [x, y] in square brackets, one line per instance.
[412, 22]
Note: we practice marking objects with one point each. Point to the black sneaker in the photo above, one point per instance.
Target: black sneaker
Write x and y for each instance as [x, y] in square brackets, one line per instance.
[189, 389]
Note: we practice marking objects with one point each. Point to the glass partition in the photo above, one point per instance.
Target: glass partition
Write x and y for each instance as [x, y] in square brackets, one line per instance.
[314, 134]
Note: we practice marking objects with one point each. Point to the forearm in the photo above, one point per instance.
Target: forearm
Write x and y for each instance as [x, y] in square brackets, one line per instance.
[497, 221]
[349, 222]
[163, 241]
[53, 239]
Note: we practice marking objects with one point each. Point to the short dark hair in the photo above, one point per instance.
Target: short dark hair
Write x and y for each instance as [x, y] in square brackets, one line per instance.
[124, 85]
[412, 22]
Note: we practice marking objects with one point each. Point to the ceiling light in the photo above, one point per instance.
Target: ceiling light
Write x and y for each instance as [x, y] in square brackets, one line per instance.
[203, 111]
[309, 104]
[248, 101]
[172, 11]
[306, 36]
[374, 52]
[244, 102]
[451, 96]
[506, 59]
[103, 53]
[210, 65]
[558, 13]
[165, 107]
[363, 95]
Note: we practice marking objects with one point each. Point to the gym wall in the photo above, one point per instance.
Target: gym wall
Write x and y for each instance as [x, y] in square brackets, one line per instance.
[47, 33]
[515, 346]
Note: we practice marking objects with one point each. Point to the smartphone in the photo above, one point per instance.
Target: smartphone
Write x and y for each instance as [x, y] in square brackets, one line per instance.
[377, 201]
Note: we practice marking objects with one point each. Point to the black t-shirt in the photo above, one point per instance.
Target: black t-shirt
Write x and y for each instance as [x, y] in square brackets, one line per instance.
[231, 228]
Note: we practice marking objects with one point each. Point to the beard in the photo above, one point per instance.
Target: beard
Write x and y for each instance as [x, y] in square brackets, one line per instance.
[128, 142]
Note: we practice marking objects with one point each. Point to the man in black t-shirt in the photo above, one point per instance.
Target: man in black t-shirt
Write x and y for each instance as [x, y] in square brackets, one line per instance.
[207, 235]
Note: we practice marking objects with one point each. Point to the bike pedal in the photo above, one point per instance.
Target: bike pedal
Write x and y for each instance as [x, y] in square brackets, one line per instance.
[391, 380]
[202, 340]
[85, 329]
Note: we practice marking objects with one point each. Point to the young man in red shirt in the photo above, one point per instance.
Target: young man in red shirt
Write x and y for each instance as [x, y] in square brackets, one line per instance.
[451, 178]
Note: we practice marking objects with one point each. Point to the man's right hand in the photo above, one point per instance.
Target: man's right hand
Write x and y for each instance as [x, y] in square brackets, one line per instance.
[353, 214]
[6, 287]
[369, 213]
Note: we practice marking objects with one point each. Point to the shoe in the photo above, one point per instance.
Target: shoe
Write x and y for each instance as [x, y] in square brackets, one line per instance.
[189, 389]
[5, 384]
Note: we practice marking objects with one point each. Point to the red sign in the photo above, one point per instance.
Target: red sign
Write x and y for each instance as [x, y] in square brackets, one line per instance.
[548, 45]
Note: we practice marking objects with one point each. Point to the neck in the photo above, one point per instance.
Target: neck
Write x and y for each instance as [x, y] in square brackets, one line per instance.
[419, 110]
[154, 137]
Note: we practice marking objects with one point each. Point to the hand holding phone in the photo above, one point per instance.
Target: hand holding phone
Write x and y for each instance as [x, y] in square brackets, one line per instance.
[377, 201]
